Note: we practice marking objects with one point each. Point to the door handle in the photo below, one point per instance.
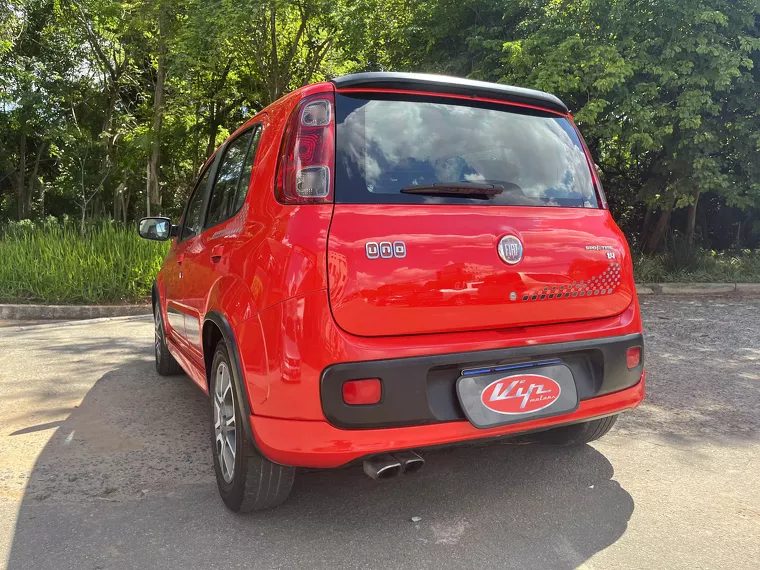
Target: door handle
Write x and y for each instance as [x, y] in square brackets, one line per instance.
[180, 258]
[216, 253]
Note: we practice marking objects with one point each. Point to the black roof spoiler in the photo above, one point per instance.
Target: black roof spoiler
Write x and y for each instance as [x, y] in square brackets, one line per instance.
[453, 85]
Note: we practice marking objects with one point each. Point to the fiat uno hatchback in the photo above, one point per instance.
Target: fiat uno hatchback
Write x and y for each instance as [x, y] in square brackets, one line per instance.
[387, 262]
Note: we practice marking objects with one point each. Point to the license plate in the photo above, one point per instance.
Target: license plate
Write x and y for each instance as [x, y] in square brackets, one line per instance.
[508, 397]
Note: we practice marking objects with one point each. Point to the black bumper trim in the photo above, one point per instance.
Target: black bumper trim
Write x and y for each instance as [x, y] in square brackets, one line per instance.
[421, 390]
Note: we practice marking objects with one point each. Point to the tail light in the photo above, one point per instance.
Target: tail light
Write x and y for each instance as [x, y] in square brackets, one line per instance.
[305, 170]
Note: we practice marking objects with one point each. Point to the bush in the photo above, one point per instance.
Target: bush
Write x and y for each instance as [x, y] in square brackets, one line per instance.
[57, 262]
[53, 261]
[698, 266]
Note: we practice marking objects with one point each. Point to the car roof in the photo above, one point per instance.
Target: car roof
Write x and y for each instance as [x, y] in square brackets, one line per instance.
[454, 85]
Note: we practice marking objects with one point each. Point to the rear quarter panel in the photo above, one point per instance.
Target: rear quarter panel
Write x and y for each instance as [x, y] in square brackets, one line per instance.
[280, 255]
[282, 252]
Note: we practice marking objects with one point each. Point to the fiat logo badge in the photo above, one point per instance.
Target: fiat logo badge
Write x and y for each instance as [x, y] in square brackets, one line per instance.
[510, 250]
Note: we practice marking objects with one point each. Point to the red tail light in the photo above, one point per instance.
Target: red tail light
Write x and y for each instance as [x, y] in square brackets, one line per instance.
[633, 357]
[305, 171]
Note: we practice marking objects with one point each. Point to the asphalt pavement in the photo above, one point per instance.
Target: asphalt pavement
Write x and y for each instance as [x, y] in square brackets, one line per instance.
[104, 464]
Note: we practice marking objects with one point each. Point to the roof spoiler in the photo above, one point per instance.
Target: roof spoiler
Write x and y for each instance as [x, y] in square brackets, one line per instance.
[450, 85]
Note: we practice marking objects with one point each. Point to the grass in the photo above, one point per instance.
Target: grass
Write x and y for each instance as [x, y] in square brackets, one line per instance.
[57, 263]
[698, 266]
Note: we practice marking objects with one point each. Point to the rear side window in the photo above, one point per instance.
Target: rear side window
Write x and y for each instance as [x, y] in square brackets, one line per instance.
[191, 225]
[220, 206]
[385, 145]
[245, 176]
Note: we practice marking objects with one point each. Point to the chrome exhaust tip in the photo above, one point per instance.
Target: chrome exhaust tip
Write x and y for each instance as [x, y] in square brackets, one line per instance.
[382, 467]
[410, 461]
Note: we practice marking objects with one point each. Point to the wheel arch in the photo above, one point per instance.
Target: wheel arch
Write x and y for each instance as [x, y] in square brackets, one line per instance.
[154, 294]
[157, 292]
[216, 327]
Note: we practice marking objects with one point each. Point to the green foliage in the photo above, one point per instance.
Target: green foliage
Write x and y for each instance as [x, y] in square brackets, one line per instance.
[666, 91]
[95, 93]
[653, 81]
[698, 266]
[53, 262]
[681, 257]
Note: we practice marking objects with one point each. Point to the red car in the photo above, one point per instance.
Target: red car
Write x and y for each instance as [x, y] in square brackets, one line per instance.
[386, 262]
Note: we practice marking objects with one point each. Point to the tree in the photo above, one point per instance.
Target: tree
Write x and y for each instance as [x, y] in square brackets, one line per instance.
[110, 107]
[653, 85]
[153, 184]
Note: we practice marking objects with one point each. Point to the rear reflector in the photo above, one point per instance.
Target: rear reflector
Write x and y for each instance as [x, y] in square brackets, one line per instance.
[362, 392]
[633, 357]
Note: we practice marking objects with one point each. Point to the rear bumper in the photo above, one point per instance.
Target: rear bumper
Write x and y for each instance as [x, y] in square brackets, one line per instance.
[422, 390]
[322, 445]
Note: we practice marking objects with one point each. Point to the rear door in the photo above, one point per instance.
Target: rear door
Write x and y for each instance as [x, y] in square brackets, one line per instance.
[178, 285]
[407, 257]
[209, 259]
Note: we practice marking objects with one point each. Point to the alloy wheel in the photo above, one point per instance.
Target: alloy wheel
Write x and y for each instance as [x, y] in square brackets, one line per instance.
[224, 422]
[159, 340]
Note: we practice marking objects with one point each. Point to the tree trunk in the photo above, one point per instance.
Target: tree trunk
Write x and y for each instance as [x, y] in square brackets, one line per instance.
[119, 209]
[645, 226]
[660, 229]
[147, 192]
[117, 203]
[273, 60]
[196, 138]
[33, 179]
[125, 205]
[21, 174]
[84, 194]
[154, 162]
[213, 128]
[108, 116]
[105, 163]
[691, 219]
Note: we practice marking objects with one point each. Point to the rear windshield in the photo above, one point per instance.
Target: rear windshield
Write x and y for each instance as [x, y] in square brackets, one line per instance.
[386, 144]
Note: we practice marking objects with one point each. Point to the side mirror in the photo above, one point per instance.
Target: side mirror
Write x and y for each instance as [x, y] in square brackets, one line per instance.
[157, 229]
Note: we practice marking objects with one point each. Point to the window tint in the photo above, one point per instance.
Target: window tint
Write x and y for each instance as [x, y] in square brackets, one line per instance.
[191, 226]
[245, 177]
[223, 194]
[386, 144]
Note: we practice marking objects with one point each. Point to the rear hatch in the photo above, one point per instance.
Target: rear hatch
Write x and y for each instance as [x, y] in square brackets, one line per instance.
[426, 190]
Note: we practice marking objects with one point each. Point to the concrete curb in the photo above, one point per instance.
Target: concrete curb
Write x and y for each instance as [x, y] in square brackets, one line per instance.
[697, 288]
[69, 312]
[20, 328]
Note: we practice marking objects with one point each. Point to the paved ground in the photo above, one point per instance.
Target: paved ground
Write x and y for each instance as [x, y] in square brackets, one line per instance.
[103, 464]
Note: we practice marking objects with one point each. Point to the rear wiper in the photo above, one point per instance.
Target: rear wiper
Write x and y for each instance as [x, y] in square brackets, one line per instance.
[453, 189]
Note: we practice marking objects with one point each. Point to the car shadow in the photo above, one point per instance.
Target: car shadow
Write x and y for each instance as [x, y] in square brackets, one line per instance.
[127, 481]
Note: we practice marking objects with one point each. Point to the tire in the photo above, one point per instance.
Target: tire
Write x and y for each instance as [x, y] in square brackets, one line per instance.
[577, 434]
[254, 483]
[166, 365]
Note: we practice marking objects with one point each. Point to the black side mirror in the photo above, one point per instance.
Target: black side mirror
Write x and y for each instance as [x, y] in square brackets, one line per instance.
[157, 229]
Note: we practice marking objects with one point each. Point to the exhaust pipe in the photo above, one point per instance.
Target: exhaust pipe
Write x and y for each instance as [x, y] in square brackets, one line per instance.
[382, 467]
[410, 461]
